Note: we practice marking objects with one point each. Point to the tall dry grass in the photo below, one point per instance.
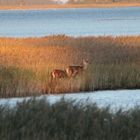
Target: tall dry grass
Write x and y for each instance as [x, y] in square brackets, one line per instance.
[115, 63]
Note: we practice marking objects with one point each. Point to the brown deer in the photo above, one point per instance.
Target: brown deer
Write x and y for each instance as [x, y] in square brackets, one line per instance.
[72, 71]
[57, 73]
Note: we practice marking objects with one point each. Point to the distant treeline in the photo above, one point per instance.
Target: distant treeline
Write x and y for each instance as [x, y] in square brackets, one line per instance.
[34, 2]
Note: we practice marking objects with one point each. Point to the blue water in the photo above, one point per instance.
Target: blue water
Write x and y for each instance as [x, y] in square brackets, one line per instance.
[75, 22]
[125, 99]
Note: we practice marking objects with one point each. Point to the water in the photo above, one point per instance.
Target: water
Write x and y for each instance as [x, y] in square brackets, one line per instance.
[74, 22]
[125, 99]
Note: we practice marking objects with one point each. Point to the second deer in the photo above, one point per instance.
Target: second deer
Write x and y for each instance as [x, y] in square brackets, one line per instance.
[57, 73]
[72, 71]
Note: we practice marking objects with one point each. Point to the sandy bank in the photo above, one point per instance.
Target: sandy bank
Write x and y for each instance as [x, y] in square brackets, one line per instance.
[44, 7]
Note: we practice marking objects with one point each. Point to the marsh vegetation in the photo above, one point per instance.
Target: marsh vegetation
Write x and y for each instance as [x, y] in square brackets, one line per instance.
[67, 120]
[26, 64]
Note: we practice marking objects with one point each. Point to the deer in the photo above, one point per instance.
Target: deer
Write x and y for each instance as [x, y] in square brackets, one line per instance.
[72, 71]
[58, 73]
[55, 75]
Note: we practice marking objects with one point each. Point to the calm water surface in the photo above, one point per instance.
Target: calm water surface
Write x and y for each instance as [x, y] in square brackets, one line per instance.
[75, 22]
[125, 99]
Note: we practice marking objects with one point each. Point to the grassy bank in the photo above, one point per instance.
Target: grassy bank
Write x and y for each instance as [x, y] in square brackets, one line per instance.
[26, 63]
[59, 6]
[38, 120]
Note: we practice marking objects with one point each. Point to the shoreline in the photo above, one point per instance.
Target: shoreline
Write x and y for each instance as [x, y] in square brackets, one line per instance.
[63, 6]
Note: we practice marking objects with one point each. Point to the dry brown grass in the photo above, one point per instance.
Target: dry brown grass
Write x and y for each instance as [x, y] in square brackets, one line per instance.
[115, 63]
[91, 5]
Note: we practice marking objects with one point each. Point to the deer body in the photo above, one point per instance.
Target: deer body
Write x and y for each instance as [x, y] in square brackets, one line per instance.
[72, 71]
[57, 73]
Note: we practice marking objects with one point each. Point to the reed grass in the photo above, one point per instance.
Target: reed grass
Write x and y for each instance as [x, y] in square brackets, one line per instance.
[67, 120]
[115, 64]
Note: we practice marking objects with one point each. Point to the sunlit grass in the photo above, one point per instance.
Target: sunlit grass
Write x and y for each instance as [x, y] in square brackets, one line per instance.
[115, 63]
